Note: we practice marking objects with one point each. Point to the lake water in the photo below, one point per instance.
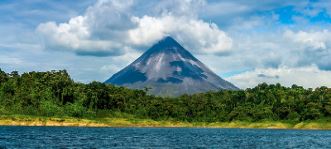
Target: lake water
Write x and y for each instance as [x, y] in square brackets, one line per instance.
[73, 137]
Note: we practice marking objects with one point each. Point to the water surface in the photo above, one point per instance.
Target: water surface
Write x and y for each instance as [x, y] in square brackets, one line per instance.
[73, 137]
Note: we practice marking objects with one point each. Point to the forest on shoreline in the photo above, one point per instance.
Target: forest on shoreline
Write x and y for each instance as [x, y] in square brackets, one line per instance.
[55, 94]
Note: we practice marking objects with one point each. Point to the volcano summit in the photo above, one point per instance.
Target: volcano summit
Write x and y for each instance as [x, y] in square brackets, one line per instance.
[168, 69]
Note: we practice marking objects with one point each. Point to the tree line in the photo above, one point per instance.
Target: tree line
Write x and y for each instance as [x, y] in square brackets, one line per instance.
[54, 93]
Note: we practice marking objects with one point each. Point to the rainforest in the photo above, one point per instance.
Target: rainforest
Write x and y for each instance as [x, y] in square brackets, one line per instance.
[55, 94]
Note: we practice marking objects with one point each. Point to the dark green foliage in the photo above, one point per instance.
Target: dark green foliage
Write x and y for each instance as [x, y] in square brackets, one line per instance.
[54, 93]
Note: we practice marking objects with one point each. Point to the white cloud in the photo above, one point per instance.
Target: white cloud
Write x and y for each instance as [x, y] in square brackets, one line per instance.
[197, 35]
[10, 60]
[275, 57]
[84, 33]
[272, 49]
[313, 39]
[110, 26]
[189, 8]
[308, 77]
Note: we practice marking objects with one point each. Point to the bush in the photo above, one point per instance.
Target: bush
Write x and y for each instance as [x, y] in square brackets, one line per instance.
[75, 109]
[49, 108]
[294, 116]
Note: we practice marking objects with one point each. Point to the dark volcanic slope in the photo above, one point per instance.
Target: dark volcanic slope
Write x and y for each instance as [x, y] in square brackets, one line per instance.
[169, 70]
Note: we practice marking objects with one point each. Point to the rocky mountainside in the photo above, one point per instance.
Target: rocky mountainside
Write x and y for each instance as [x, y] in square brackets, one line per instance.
[167, 69]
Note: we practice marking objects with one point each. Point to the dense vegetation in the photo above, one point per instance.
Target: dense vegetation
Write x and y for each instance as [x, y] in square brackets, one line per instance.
[54, 93]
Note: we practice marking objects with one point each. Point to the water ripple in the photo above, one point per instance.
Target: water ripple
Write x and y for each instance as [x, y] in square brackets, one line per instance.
[77, 137]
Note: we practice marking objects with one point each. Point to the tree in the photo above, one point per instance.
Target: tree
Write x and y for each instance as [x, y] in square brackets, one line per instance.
[3, 77]
[54, 93]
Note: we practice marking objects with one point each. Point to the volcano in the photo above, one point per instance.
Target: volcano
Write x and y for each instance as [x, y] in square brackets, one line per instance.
[168, 69]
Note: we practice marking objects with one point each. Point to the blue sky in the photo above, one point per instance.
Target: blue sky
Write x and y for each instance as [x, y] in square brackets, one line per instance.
[246, 42]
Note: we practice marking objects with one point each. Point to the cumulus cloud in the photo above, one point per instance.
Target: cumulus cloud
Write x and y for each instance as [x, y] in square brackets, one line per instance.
[308, 77]
[312, 47]
[313, 40]
[111, 26]
[197, 35]
[274, 49]
[90, 33]
[280, 55]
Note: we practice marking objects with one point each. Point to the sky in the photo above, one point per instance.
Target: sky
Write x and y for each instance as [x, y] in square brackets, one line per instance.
[244, 42]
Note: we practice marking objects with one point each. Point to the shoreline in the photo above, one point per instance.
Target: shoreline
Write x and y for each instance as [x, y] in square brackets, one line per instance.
[147, 123]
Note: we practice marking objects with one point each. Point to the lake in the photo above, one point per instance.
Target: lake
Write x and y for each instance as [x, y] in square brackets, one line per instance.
[70, 137]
